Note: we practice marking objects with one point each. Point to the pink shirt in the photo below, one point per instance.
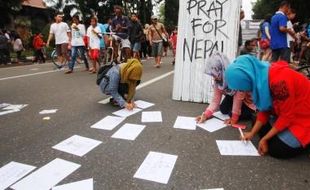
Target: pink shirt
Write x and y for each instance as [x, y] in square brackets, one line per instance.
[239, 98]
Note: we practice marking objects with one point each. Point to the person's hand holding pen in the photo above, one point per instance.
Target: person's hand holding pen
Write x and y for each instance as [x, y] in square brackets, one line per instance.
[202, 118]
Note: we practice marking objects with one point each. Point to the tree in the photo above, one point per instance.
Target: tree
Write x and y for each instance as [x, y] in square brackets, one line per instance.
[7, 9]
[171, 13]
[264, 7]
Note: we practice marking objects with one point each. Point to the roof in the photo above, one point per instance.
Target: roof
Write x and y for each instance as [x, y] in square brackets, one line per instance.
[34, 3]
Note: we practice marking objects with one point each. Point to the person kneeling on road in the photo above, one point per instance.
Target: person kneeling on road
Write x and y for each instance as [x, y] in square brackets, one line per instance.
[128, 74]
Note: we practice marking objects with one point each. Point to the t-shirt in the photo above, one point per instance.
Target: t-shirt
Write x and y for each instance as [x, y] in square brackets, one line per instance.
[155, 36]
[103, 29]
[263, 30]
[18, 45]
[124, 22]
[60, 31]
[289, 37]
[278, 38]
[77, 35]
[94, 40]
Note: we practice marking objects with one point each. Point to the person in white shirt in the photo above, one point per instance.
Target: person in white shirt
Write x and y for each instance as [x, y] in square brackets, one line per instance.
[77, 43]
[94, 35]
[61, 31]
[291, 38]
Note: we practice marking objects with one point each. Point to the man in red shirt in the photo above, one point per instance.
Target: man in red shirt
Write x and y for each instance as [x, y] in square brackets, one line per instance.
[280, 92]
[38, 44]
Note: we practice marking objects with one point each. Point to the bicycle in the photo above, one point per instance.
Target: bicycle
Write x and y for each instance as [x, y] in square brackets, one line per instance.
[305, 70]
[54, 58]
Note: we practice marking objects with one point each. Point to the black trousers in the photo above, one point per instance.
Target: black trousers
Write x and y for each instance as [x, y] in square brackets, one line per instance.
[281, 54]
[277, 148]
[39, 56]
[227, 104]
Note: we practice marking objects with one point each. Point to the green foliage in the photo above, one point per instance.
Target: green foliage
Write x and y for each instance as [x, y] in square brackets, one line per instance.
[7, 8]
[171, 12]
[264, 7]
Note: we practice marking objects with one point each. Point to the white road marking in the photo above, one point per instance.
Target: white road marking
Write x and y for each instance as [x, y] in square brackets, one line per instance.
[107, 100]
[27, 75]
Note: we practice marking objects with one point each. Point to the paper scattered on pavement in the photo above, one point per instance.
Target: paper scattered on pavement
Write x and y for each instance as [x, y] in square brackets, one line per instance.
[12, 172]
[212, 125]
[51, 111]
[47, 176]
[143, 104]
[126, 113]
[156, 167]
[151, 116]
[77, 145]
[87, 184]
[188, 123]
[128, 131]
[236, 148]
[221, 116]
[108, 123]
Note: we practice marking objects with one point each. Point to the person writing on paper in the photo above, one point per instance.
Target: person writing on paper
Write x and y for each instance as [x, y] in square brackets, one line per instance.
[238, 105]
[126, 75]
[280, 92]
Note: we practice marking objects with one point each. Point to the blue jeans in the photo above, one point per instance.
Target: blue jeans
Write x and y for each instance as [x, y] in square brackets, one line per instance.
[109, 85]
[74, 51]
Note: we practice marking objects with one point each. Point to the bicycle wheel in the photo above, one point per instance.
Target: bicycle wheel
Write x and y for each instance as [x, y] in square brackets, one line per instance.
[305, 70]
[55, 59]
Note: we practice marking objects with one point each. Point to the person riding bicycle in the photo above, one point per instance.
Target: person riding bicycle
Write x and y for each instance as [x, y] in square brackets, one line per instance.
[120, 26]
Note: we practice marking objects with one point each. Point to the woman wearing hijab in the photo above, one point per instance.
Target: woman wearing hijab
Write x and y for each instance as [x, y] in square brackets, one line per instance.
[280, 92]
[128, 74]
[238, 105]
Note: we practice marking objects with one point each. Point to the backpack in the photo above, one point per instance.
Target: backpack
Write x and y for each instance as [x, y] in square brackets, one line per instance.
[102, 73]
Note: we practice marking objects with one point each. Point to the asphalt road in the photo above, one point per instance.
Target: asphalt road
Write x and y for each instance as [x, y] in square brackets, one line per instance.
[25, 137]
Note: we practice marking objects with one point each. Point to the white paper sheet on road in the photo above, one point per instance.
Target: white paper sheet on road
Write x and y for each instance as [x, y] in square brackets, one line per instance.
[2, 105]
[87, 184]
[126, 113]
[143, 104]
[4, 112]
[188, 123]
[156, 167]
[15, 107]
[12, 172]
[212, 125]
[236, 148]
[77, 145]
[151, 116]
[108, 123]
[47, 176]
[128, 131]
[51, 111]
[221, 116]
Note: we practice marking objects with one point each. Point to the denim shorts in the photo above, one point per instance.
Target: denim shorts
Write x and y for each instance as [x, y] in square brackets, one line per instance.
[136, 47]
[157, 49]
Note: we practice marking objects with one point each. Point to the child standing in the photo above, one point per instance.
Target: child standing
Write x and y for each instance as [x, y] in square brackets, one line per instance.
[94, 35]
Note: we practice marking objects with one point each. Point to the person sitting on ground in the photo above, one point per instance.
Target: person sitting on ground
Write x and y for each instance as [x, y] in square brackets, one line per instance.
[128, 74]
[278, 91]
[238, 105]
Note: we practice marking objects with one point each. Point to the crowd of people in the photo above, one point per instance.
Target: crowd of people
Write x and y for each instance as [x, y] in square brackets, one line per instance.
[280, 35]
[258, 85]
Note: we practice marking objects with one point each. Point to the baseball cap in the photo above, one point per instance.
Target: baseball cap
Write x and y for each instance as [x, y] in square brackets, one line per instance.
[154, 17]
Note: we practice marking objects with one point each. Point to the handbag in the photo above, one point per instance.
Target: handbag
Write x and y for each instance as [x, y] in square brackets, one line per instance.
[264, 44]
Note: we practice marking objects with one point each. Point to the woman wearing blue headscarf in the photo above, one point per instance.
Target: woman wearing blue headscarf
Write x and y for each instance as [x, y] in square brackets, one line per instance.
[277, 91]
